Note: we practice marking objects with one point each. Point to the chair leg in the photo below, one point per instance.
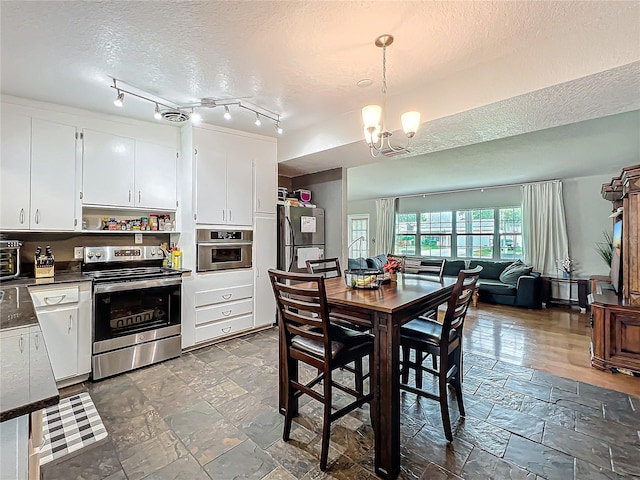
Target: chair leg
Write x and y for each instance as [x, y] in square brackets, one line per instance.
[288, 415]
[326, 424]
[457, 380]
[359, 377]
[406, 358]
[419, 359]
[444, 404]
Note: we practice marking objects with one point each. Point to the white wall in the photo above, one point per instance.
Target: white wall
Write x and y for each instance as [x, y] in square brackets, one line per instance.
[586, 211]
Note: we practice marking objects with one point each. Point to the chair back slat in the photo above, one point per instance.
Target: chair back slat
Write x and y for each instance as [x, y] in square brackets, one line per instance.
[327, 267]
[302, 308]
[459, 302]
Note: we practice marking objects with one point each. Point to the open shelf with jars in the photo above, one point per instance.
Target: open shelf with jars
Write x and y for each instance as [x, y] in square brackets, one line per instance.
[102, 220]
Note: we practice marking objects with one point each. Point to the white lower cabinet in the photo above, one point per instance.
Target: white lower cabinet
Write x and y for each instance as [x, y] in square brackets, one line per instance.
[223, 304]
[264, 258]
[64, 314]
[14, 448]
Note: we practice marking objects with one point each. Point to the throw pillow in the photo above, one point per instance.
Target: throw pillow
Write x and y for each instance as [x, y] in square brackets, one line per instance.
[513, 272]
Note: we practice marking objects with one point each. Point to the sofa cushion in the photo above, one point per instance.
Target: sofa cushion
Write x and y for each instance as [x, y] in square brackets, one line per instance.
[490, 270]
[513, 272]
[357, 263]
[496, 287]
[452, 267]
[377, 262]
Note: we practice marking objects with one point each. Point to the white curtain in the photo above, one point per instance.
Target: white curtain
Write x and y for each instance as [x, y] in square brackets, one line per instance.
[385, 229]
[544, 226]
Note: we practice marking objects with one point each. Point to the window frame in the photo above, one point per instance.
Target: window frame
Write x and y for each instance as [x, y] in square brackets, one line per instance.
[496, 235]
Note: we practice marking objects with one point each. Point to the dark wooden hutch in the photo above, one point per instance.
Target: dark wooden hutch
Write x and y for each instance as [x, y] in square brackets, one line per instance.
[615, 319]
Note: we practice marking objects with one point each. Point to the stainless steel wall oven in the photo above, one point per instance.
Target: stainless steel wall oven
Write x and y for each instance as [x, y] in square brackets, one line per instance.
[136, 311]
[223, 249]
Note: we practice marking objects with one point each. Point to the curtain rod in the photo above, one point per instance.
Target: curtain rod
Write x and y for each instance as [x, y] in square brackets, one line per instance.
[473, 189]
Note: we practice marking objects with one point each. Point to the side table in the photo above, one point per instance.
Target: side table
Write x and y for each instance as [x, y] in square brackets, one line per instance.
[565, 291]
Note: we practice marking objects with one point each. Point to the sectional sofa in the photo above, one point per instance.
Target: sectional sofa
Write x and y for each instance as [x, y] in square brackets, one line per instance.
[520, 291]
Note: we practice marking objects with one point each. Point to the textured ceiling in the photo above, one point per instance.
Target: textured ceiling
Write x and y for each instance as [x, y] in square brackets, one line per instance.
[303, 58]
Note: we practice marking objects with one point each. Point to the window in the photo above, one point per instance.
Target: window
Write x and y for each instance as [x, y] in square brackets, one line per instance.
[481, 233]
[358, 236]
[475, 231]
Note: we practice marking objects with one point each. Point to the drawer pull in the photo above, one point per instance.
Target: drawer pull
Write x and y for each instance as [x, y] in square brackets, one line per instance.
[227, 296]
[227, 313]
[226, 330]
[60, 297]
[37, 341]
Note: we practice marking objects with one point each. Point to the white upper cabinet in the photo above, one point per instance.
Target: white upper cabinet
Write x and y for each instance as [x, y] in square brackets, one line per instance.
[123, 172]
[155, 176]
[53, 165]
[107, 169]
[38, 174]
[265, 177]
[15, 164]
[223, 179]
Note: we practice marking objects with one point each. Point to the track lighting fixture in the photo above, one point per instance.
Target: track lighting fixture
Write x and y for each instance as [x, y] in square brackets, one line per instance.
[118, 102]
[174, 112]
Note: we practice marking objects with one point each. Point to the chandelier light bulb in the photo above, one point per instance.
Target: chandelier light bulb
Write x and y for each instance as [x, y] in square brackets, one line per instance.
[119, 101]
[157, 115]
[371, 115]
[227, 113]
[257, 122]
[410, 123]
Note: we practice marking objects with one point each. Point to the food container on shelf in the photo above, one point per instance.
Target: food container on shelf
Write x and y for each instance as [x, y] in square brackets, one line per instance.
[363, 278]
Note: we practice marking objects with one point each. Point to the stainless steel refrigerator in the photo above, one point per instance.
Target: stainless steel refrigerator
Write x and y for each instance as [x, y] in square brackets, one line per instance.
[300, 237]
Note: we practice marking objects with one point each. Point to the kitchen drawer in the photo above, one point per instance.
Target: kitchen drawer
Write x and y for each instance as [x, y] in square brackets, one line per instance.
[220, 295]
[217, 280]
[223, 311]
[223, 328]
[54, 296]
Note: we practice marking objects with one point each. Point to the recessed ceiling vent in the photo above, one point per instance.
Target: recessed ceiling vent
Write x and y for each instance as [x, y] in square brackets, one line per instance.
[176, 116]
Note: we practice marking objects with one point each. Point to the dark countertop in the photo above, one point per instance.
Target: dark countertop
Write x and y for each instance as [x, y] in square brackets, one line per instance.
[62, 277]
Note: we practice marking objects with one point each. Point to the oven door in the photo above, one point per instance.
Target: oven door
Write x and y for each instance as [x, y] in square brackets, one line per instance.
[9, 263]
[223, 256]
[128, 313]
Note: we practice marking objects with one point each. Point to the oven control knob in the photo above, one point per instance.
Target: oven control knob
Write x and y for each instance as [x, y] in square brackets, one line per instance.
[98, 254]
[90, 254]
[153, 251]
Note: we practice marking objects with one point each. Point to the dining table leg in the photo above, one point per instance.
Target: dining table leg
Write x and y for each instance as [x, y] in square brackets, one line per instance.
[386, 405]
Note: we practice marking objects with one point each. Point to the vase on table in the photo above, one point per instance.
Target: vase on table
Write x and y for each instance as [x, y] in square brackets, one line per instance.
[566, 274]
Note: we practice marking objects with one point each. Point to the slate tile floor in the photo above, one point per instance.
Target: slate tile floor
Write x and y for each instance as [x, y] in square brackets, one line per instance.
[212, 414]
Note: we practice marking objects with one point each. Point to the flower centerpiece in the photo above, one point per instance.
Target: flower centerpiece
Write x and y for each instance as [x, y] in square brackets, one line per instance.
[566, 266]
[392, 267]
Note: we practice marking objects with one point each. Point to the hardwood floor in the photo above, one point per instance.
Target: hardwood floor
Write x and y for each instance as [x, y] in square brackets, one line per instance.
[555, 340]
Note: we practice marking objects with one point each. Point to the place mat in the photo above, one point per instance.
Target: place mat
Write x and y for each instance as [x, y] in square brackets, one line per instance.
[69, 426]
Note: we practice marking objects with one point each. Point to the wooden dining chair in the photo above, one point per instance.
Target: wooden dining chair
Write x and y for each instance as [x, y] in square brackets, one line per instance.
[327, 267]
[443, 341]
[310, 337]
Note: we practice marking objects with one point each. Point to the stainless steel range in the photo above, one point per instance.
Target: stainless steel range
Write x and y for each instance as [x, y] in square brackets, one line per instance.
[136, 308]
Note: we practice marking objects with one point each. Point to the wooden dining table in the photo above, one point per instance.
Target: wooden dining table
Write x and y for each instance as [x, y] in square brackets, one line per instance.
[385, 310]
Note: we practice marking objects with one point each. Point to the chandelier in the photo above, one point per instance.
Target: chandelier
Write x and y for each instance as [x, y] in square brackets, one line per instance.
[375, 132]
[165, 110]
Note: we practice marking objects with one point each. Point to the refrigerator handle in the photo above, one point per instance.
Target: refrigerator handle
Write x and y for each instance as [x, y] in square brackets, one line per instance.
[291, 236]
[293, 251]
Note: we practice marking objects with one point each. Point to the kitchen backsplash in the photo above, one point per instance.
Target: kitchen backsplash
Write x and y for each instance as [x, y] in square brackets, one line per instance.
[62, 245]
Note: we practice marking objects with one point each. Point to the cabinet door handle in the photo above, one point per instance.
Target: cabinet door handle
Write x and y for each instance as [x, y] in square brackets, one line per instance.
[37, 341]
[21, 344]
[258, 204]
[21, 217]
[226, 313]
[226, 330]
[227, 296]
[229, 214]
[61, 297]
[139, 196]
[70, 323]
[129, 196]
[37, 216]
[257, 272]
[223, 212]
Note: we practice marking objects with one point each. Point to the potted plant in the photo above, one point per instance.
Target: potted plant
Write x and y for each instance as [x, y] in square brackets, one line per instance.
[605, 249]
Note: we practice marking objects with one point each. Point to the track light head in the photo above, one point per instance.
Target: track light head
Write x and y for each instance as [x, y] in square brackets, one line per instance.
[279, 129]
[227, 113]
[258, 122]
[157, 115]
[196, 118]
[118, 102]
